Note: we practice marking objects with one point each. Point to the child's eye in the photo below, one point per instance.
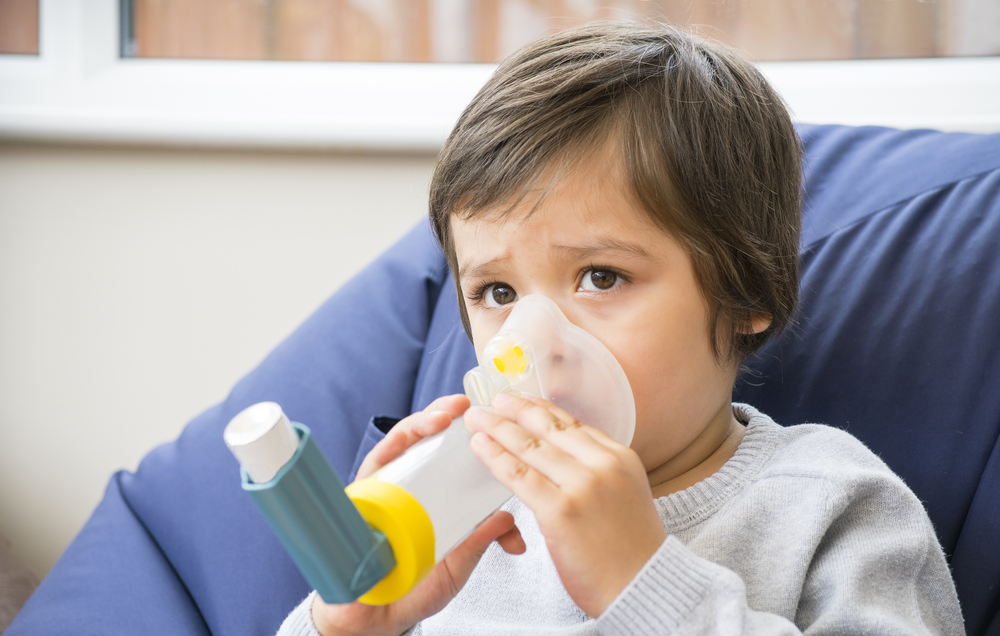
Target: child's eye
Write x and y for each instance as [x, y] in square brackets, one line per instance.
[498, 294]
[600, 280]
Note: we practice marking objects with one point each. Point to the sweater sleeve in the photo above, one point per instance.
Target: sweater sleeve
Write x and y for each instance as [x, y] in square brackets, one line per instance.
[678, 592]
[875, 567]
[299, 622]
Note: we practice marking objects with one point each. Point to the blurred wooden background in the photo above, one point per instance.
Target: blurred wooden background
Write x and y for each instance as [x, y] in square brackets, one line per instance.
[19, 27]
[488, 30]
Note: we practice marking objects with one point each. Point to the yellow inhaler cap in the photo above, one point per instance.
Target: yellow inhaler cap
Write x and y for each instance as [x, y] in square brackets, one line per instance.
[400, 517]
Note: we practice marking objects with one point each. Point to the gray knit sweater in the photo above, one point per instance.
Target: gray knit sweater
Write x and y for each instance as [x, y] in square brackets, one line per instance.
[803, 530]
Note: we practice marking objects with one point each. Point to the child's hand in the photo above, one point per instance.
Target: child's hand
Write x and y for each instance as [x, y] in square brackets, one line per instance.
[590, 494]
[447, 577]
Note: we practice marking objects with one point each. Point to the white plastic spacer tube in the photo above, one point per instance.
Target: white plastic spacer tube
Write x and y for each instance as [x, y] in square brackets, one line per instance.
[262, 439]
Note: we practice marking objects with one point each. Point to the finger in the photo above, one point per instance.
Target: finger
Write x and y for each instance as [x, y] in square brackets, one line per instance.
[463, 559]
[497, 525]
[549, 460]
[403, 435]
[596, 434]
[512, 542]
[561, 430]
[452, 573]
[410, 430]
[454, 405]
[532, 487]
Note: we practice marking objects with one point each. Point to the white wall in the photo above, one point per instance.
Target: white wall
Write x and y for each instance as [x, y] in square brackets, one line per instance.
[137, 286]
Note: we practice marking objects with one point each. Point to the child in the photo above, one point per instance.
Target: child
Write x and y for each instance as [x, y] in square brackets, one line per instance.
[649, 184]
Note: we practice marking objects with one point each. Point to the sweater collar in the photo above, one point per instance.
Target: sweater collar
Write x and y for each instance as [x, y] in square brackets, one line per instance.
[692, 505]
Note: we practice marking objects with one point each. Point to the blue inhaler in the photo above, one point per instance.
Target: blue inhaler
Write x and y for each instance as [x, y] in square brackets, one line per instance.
[378, 538]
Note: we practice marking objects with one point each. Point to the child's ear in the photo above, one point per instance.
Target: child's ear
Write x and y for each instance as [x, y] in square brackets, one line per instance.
[759, 321]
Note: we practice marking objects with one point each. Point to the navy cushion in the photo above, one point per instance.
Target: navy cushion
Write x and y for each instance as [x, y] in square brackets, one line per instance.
[896, 342]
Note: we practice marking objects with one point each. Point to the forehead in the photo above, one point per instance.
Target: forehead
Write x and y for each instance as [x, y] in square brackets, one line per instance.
[585, 207]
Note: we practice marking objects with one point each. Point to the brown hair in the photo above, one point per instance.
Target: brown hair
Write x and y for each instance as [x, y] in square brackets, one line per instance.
[708, 148]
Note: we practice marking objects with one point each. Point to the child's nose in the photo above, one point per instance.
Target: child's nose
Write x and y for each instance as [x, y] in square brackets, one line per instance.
[572, 313]
[559, 351]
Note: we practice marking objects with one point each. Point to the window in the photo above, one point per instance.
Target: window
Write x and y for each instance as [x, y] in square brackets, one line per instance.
[489, 30]
[79, 88]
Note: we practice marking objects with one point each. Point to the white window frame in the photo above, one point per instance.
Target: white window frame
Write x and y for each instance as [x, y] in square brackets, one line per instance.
[79, 90]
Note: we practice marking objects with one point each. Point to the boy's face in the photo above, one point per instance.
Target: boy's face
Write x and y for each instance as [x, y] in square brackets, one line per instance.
[614, 273]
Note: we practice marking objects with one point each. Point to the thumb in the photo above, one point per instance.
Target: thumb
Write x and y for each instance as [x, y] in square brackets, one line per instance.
[451, 574]
[463, 559]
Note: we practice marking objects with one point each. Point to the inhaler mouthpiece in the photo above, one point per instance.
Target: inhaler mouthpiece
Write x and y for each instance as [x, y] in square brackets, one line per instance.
[538, 351]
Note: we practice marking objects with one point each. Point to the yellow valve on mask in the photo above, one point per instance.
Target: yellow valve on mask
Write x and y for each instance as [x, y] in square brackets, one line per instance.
[511, 361]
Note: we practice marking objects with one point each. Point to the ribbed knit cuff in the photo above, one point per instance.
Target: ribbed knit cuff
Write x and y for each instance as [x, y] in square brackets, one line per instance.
[663, 596]
[300, 622]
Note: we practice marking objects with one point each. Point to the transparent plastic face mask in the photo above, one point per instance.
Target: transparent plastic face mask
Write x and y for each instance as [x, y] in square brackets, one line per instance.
[538, 351]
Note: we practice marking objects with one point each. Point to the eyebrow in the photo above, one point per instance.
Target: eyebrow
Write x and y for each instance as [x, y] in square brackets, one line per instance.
[604, 245]
[576, 252]
[480, 270]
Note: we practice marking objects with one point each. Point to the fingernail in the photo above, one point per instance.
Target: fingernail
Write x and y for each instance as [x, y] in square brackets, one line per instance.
[475, 412]
[502, 398]
[479, 439]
